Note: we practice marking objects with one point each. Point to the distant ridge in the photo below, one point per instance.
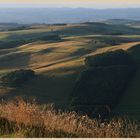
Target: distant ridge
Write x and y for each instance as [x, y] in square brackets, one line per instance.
[65, 15]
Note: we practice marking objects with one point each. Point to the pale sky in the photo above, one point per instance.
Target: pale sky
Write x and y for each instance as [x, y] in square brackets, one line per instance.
[71, 3]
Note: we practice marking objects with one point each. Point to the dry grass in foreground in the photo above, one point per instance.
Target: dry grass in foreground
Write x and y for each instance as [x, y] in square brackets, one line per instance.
[20, 118]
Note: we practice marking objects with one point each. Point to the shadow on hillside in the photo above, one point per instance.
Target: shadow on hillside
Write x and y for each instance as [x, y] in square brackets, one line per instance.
[98, 28]
[15, 60]
[46, 89]
[129, 103]
[102, 84]
[15, 40]
[45, 51]
[135, 53]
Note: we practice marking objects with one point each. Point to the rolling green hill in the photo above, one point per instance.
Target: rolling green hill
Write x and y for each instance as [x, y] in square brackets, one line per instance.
[57, 53]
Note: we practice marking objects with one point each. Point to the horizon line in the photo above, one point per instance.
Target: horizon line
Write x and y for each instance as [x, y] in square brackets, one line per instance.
[65, 7]
[70, 5]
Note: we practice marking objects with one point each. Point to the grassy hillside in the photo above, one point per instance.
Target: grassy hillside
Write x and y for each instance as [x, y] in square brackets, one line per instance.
[129, 103]
[58, 62]
[56, 54]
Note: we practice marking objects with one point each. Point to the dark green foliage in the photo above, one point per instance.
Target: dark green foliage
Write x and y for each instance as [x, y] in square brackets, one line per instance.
[118, 57]
[17, 78]
[99, 88]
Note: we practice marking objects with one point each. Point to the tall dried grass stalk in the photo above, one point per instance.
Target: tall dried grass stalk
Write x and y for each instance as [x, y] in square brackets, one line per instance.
[30, 113]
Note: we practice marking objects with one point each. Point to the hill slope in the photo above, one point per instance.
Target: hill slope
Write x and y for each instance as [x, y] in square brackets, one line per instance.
[59, 62]
[129, 103]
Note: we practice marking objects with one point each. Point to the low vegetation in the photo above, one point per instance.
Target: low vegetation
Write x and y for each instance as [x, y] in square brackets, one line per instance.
[20, 118]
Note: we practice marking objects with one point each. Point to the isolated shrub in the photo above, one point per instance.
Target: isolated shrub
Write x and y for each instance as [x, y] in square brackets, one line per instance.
[118, 57]
[17, 78]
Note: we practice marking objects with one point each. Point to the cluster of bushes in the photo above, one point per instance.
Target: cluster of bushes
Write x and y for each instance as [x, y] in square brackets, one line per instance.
[99, 88]
[17, 78]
